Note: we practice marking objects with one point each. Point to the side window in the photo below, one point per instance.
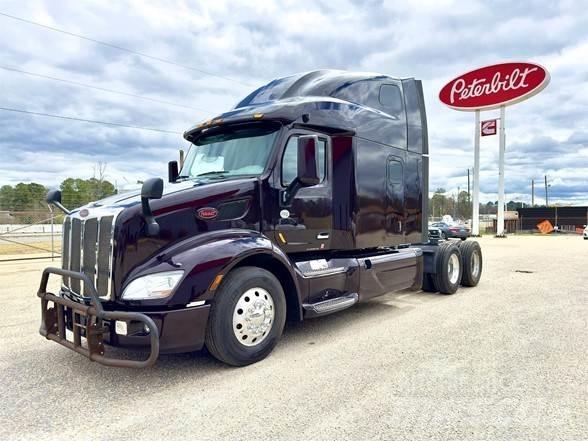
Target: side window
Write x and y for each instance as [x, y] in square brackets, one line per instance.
[395, 172]
[290, 160]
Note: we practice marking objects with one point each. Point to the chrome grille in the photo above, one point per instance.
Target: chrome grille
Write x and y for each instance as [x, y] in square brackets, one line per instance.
[88, 247]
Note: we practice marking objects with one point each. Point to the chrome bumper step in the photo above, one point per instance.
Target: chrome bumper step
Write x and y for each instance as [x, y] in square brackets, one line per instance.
[329, 306]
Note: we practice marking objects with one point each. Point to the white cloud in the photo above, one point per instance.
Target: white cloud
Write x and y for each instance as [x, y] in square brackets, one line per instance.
[254, 42]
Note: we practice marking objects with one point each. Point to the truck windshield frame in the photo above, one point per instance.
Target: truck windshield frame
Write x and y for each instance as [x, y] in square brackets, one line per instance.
[231, 151]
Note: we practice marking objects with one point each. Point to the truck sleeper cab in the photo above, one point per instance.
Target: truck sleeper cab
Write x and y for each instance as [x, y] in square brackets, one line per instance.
[306, 198]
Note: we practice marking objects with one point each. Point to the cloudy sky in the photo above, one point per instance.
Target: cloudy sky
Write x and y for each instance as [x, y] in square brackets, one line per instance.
[226, 49]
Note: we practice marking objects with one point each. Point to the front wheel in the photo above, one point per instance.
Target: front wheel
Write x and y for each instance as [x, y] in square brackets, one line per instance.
[247, 317]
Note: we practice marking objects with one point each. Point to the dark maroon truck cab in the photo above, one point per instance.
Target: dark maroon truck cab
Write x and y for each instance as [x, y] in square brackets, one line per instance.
[306, 198]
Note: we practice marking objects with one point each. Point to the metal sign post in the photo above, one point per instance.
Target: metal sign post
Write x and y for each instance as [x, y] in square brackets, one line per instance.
[476, 196]
[501, 148]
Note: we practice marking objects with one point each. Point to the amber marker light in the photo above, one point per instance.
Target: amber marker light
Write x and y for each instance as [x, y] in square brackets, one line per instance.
[216, 282]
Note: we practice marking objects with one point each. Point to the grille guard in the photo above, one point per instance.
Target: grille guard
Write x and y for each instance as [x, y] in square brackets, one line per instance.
[53, 326]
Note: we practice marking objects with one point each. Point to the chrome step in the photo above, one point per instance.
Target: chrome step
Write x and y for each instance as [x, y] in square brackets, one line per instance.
[331, 305]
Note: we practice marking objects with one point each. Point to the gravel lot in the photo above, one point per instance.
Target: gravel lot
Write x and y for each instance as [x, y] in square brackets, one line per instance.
[505, 360]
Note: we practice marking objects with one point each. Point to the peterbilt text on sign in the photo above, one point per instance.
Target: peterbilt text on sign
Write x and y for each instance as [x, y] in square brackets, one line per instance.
[492, 86]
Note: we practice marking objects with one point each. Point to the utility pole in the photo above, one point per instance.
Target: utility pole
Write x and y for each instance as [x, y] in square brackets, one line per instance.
[546, 193]
[532, 192]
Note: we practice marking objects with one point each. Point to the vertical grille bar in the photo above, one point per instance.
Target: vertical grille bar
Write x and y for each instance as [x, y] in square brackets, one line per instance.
[65, 247]
[75, 252]
[90, 237]
[87, 248]
[103, 255]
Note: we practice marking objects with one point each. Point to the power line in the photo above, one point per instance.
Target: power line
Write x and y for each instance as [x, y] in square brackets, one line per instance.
[102, 89]
[124, 49]
[71, 118]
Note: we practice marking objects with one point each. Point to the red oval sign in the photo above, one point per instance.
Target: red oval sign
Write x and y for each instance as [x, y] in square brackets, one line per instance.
[207, 213]
[493, 86]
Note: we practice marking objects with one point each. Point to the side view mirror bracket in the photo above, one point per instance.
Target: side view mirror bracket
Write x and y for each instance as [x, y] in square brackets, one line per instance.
[54, 198]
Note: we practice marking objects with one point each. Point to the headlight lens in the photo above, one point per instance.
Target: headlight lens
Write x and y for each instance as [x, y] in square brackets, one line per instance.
[152, 286]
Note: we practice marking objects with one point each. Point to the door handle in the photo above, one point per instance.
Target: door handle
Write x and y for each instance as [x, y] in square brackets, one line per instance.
[322, 236]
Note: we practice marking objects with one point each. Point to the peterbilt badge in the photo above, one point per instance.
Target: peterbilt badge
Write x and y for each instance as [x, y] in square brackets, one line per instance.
[207, 213]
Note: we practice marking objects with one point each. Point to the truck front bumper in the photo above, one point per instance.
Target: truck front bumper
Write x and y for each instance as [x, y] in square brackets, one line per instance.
[86, 329]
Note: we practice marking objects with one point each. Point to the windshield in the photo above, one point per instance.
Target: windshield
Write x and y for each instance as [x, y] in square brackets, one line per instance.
[235, 151]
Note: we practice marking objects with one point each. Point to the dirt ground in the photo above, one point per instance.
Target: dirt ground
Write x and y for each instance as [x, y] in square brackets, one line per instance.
[506, 360]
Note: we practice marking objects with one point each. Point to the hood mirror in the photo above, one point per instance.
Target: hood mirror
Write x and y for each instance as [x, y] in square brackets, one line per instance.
[152, 189]
[54, 198]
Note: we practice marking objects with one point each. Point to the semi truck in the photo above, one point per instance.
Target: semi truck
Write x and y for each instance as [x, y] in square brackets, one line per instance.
[306, 198]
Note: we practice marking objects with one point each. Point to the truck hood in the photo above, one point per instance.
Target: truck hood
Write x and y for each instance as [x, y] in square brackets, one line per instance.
[130, 198]
[233, 202]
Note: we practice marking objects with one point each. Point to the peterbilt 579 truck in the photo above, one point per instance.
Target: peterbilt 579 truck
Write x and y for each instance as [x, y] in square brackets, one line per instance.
[306, 198]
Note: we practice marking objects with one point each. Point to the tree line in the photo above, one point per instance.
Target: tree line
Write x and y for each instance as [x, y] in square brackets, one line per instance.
[460, 206]
[75, 192]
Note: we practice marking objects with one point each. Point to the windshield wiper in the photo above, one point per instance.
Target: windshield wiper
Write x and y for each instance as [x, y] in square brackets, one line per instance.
[220, 173]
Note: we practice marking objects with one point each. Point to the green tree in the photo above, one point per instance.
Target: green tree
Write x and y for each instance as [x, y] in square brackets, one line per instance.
[438, 204]
[6, 197]
[78, 192]
[464, 207]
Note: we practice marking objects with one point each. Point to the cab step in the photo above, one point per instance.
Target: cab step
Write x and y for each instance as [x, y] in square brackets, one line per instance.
[329, 306]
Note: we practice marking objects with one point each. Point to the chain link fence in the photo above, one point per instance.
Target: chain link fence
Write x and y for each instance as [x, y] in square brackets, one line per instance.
[32, 234]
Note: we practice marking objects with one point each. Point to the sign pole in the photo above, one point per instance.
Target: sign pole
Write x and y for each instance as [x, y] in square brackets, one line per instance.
[502, 141]
[476, 196]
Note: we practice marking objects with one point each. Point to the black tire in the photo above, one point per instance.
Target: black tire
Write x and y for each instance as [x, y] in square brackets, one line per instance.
[220, 339]
[442, 280]
[429, 283]
[444, 236]
[468, 250]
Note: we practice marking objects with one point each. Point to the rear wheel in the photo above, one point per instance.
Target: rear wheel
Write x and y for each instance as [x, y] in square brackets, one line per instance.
[471, 258]
[247, 317]
[449, 268]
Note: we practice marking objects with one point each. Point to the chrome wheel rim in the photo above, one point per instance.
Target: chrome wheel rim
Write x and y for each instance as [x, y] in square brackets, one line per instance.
[453, 268]
[253, 316]
[475, 264]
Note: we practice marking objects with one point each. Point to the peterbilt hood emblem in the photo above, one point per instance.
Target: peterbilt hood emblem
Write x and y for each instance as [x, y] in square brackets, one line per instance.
[207, 213]
[84, 212]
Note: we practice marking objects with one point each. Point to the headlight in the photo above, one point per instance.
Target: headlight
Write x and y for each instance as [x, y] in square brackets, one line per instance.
[152, 286]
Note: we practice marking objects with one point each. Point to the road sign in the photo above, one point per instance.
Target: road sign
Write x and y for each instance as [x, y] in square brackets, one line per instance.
[493, 86]
[489, 127]
[486, 88]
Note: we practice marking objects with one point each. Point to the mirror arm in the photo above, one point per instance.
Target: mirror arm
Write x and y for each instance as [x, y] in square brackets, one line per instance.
[151, 223]
[291, 191]
[61, 207]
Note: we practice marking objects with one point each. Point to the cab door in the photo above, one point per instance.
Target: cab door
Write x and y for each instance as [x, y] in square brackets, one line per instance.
[395, 209]
[305, 223]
